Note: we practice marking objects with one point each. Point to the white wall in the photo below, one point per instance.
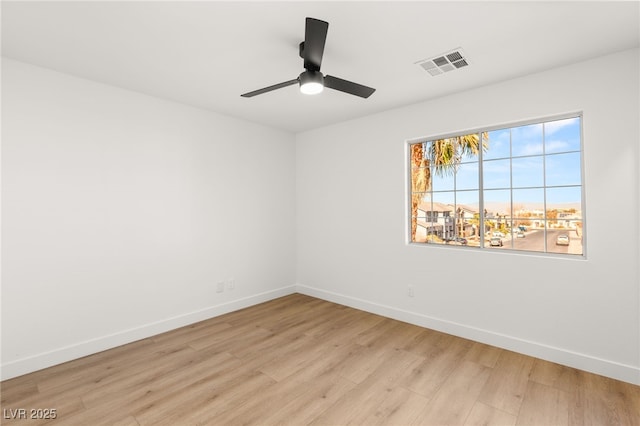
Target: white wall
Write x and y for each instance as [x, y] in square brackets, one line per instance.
[121, 212]
[352, 224]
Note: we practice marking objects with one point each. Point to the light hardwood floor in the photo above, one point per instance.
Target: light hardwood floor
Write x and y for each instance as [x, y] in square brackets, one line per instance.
[299, 360]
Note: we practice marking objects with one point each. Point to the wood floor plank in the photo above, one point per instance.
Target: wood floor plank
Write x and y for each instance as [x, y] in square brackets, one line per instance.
[506, 387]
[441, 360]
[64, 406]
[171, 375]
[229, 336]
[606, 401]
[555, 375]
[371, 334]
[315, 397]
[206, 402]
[114, 375]
[484, 415]
[396, 365]
[355, 406]
[82, 367]
[362, 363]
[148, 396]
[13, 390]
[307, 353]
[400, 407]
[298, 360]
[127, 421]
[483, 354]
[424, 342]
[543, 405]
[254, 410]
[375, 398]
[188, 334]
[455, 399]
[343, 325]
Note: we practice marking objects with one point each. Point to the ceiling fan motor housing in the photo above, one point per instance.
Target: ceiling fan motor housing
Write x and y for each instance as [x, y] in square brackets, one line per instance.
[307, 77]
[311, 82]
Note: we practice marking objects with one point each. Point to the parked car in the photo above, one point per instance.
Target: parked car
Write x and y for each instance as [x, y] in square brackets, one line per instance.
[458, 240]
[495, 242]
[520, 234]
[562, 240]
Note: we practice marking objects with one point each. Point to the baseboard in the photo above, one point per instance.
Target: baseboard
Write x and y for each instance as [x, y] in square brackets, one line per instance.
[614, 370]
[68, 353]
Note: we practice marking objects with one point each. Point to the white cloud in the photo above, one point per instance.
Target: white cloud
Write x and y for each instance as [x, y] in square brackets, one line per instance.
[553, 126]
[557, 145]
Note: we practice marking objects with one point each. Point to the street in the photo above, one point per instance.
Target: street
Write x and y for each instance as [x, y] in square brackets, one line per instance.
[534, 241]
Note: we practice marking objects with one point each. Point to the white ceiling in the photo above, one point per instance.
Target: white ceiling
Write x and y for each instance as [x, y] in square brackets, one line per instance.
[206, 53]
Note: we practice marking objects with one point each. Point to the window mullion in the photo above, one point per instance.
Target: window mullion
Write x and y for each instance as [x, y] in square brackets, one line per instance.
[481, 229]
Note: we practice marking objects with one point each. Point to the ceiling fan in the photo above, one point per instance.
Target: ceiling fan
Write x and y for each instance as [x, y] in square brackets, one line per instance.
[311, 80]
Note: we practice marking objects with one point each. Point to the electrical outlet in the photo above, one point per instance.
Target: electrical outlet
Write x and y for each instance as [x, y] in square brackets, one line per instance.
[220, 287]
[231, 284]
[410, 292]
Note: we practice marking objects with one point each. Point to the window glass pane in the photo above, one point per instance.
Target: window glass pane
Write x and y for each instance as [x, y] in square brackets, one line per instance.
[563, 241]
[419, 179]
[527, 172]
[470, 200]
[562, 135]
[421, 221]
[528, 202]
[530, 194]
[467, 217]
[526, 140]
[468, 147]
[496, 242]
[498, 145]
[467, 176]
[564, 216]
[438, 222]
[529, 239]
[445, 199]
[506, 230]
[497, 214]
[563, 169]
[496, 173]
[417, 152]
[470, 154]
[442, 183]
[497, 202]
[420, 173]
[421, 213]
[564, 198]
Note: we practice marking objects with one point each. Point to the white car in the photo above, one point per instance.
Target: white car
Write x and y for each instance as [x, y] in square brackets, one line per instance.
[562, 240]
[495, 242]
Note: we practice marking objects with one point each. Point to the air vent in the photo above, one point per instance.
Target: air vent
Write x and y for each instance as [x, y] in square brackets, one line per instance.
[444, 63]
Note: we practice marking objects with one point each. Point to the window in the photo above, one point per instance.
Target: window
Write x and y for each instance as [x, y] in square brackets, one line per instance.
[516, 188]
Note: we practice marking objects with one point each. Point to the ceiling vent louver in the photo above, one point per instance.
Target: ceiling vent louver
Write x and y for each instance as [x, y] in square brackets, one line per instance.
[444, 63]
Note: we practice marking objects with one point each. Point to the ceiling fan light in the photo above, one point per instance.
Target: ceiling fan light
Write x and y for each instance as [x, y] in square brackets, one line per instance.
[311, 82]
[311, 88]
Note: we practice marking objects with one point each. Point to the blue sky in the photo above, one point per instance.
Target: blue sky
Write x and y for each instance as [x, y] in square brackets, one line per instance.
[526, 172]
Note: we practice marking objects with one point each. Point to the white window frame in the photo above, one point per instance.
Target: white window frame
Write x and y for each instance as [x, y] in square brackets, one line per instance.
[481, 189]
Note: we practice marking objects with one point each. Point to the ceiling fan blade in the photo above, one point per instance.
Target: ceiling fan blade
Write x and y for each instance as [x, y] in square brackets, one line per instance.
[315, 35]
[270, 88]
[348, 86]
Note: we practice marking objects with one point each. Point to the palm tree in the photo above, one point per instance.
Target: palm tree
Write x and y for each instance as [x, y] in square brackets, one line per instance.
[441, 157]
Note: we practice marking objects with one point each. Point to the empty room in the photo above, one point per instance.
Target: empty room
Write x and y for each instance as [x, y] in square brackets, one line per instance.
[320, 213]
